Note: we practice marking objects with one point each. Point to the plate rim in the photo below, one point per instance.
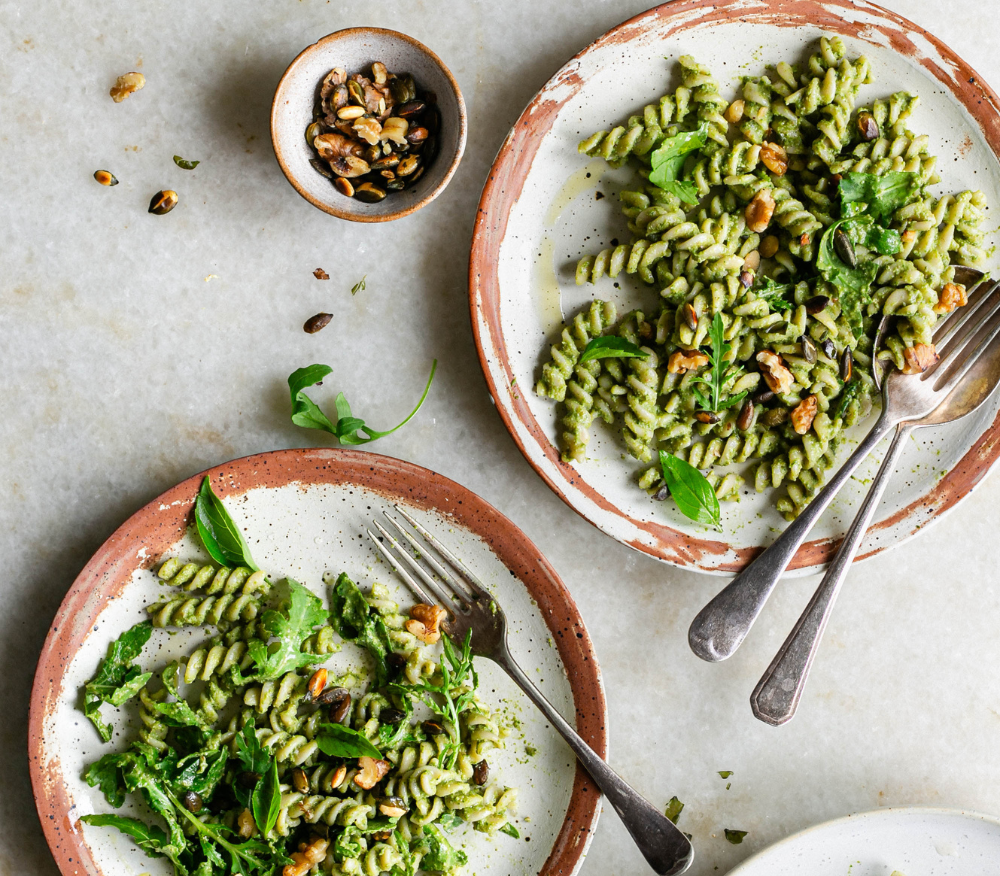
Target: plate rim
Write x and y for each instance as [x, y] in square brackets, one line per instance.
[670, 545]
[165, 518]
[869, 814]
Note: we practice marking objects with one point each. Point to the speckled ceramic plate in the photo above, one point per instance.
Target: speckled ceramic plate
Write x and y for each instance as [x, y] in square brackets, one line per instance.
[305, 512]
[541, 211]
[914, 841]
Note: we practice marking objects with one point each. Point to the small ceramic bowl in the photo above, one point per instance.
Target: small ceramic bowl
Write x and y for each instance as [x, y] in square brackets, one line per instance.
[355, 49]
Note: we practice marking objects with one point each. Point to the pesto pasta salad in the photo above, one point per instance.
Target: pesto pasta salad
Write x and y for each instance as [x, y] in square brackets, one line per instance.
[778, 229]
[253, 757]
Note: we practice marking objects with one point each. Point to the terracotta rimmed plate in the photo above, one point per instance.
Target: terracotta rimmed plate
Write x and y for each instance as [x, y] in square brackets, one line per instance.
[355, 49]
[540, 212]
[305, 512]
[916, 841]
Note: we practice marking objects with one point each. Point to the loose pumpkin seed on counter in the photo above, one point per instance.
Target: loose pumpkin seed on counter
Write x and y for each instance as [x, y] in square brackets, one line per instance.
[105, 177]
[373, 134]
[163, 202]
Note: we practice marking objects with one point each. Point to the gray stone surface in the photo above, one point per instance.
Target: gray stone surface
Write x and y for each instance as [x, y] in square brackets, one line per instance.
[123, 370]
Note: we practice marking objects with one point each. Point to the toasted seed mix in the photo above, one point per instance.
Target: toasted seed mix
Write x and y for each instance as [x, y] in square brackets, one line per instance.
[374, 132]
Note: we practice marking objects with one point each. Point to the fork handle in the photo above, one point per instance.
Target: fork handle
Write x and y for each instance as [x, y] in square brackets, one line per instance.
[779, 690]
[722, 625]
[664, 846]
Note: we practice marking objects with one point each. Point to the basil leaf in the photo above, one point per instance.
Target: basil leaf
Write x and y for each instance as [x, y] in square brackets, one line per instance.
[291, 626]
[185, 164]
[354, 620]
[510, 830]
[735, 836]
[668, 160]
[250, 752]
[691, 491]
[883, 194]
[610, 346]
[116, 680]
[148, 837]
[687, 192]
[336, 740]
[220, 535]
[673, 809]
[266, 800]
[853, 284]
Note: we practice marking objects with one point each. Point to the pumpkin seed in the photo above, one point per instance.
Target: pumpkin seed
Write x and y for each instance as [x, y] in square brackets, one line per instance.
[816, 304]
[846, 365]
[356, 92]
[369, 193]
[808, 350]
[105, 177]
[163, 202]
[403, 88]
[408, 165]
[344, 186]
[845, 249]
[321, 168]
[745, 417]
[868, 127]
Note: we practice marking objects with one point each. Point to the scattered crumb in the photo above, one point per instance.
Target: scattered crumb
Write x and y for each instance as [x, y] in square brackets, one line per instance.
[320, 274]
[126, 85]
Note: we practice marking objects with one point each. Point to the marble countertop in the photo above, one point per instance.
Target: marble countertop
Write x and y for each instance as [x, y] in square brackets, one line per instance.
[137, 350]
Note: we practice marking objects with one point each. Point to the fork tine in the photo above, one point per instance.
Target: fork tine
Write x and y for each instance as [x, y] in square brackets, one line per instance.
[459, 586]
[947, 326]
[948, 381]
[443, 597]
[970, 325]
[413, 585]
[958, 325]
[474, 583]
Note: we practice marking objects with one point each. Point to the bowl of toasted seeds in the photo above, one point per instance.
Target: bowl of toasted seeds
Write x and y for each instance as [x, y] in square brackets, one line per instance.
[368, 124]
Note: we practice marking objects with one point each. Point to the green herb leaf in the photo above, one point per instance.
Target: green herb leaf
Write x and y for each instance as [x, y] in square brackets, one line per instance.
[359, 286]
[449, 821]
[610, 346]
[721, 371]
[773, 293]
[348, 844]
[847, 395]
[336, 740]
[440, 854]
[673, 809]
[725, 773]
[863, 230]
[220, 535]
[116, 680]
[148, 837]
[355, 621]
[668, 160]
[180, 714]
[302, 612]
[687, 192]
[510, 830]
[883, 194]
[201, 772]
[250, 752]
[690, 490]
[348, 430]
[185, 164]
[265, 803]
[852, 284]
[735, 836]
[106, 774]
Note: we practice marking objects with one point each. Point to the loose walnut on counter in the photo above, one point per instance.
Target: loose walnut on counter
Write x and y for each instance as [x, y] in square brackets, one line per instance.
[919, 358]
[778, 378]
[804, 413]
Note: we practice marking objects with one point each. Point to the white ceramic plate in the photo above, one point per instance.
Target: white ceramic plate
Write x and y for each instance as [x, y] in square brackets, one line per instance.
[540, 213]
[304, 513]
[915, 841]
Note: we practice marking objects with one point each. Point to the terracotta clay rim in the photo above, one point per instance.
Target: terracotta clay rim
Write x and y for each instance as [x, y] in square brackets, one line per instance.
[290, 73]
[148, 533]
[504, 187]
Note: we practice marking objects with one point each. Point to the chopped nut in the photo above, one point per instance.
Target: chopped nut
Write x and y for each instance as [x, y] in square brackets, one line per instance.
[908, 237]
[804, 413]
[320, 274]
[318, 679]
[350, 113]
[336, 778]
[336, 145]
[683, 360]
[395, 129]
[769, 246]
[371, 772]
[735, 111]
[392, 807]
[349, 166]
[105, 177]
[752, 261]
[379, 73]
[776, 375]
[759, 211]
[309, 854]
[368, 130]
[868, 127]
[775, 158]
[919, 358]
[804, 239]
[952, 296]
[126, 85]
[425, 622]
[245, 824]
[690, 316]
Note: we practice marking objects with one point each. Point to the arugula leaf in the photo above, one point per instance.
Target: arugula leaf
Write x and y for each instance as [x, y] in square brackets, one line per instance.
[185, 164]
[610, 346]
[251, 754]
[853, 284]
[140, 777]
[266, 800]
[735, 836]
[691, 490]
[349, 844]
[220, 535]
[673, 809]
[179, 713]
[883, 194]
[200, 772]
[291, 626]
[668, 161]
[863, 230]
[395, 736]
[336, 740]
[148, 837]
[349, 430]
[510, 830]
[720, 373]
[116, 680]
[773, 293]
[440, 854]
[106, 774]
[355, 621]
[847, 395]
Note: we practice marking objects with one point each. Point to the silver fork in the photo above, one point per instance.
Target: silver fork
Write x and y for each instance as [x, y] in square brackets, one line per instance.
[471, 607]
[722, 625]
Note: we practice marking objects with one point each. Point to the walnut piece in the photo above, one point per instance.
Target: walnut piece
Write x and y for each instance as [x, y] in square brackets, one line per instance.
[804, 413]
[371, 772]
[126, 85]
[775, 158]
[336, 145]
[308, 854]
[919, 358]
[425, 622]
[776, 375]
[735, 111]
[682, 360]
[952, 296]
[759, 211]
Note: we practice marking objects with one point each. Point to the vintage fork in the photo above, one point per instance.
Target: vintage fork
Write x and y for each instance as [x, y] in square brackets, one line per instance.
[471, 607]
[721, 626]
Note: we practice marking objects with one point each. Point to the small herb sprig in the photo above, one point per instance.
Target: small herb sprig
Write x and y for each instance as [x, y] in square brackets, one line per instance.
[721, 372]
[360, 285]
